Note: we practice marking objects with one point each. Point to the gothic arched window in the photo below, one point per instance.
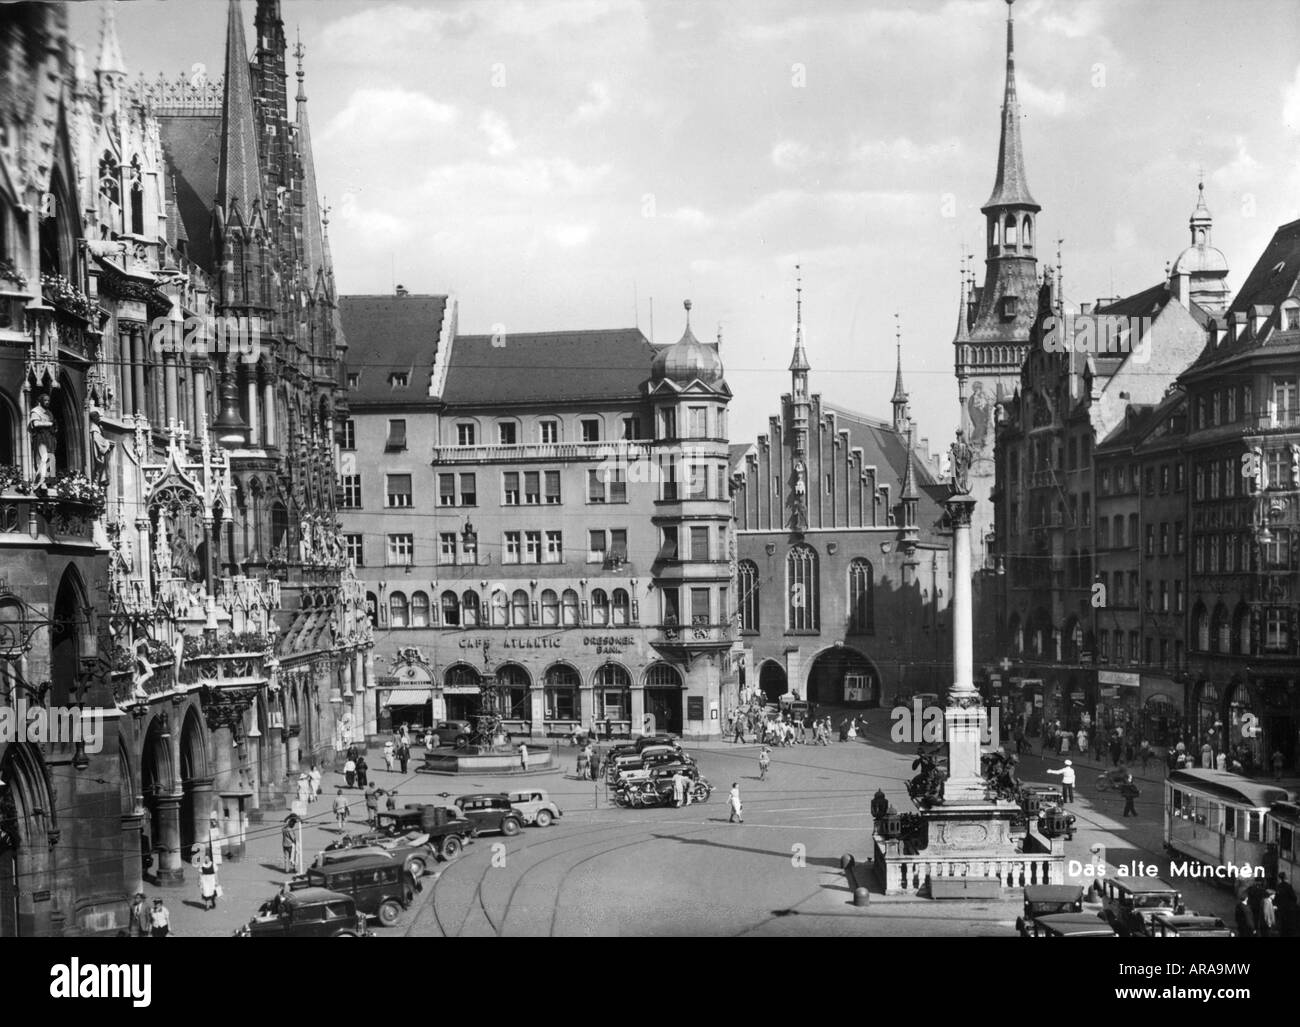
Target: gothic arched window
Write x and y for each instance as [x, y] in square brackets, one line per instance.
[862, 600]
[747, 579]
[801, 588]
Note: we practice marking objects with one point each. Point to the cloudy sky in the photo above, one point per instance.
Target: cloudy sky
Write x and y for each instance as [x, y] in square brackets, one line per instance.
[557, 165]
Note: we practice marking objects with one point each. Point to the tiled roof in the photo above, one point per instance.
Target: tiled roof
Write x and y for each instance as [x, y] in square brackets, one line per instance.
[191, 144]
[1268, 284]
[535, 367]
[391, 333]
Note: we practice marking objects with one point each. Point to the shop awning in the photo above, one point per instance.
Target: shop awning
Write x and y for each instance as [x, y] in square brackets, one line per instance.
[408, 697]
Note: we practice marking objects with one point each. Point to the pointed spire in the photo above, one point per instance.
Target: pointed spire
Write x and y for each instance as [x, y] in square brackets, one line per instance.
[909, 473]
[1011, 188]
[238, 175]
[963, 311]
[900, 394]
[798, 362]
[314, 246]
[109, 61]
[1201, 221]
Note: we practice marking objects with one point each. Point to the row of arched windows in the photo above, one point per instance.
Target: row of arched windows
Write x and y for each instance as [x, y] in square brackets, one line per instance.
[561, 675]
[515, 609]
[804, 595]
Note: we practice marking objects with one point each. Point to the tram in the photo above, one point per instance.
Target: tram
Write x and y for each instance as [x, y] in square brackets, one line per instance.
[1217, 818]
[1282, 832]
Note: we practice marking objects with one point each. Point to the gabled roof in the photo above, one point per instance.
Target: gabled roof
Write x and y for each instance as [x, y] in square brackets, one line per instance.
[391, 333]
[538, 367]
[191, 144]
[1268, 284]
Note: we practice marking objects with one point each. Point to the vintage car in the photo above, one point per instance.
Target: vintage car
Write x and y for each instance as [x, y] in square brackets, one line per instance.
[448, 829]
[646, 757]
[1130, 904]
[307, 913]
[414, 849]
[646, 741]
[535, 806]
[452, 732]
[1189, 925]
[380, 886]
[1069, 925]
[656, 789]
[1046, 900]
[492, 812]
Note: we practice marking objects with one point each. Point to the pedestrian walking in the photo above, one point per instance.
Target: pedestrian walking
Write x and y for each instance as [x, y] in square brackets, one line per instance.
[764, 761]
[340, 810]
[523, 756]
[583, 762]
[679, 789]
[844, 729]
[160, 920]
[1207, 757]
[315, 777]
[738, 731]
[733, 800]
[1145, 753]
[1245, 920]
[1221, 761]
[1268, 915]
[1285, 900]
[1066, 774]
[390, 802]
[214, 839]
[390, 755]
[289, 843]
[139, 916]
[372, 805]
[362, 771]
[304, 788]
[404, 755]
[350, 772]
[208, 884]
[1279, 761]
[1130, 791]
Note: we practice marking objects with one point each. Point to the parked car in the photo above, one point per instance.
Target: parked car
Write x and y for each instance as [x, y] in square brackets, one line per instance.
[1046, 900]
[631, 772]
[646, 741]
[307, 913]
[491, 813]
[447, 827]
[380, 886]
[1069, 925]
[415, 850]
[1189, 925]
[535, 806]
[452, 732]
[1130, 904]
[638, 760]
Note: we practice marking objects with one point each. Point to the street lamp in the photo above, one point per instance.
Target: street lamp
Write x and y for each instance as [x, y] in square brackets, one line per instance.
[230, 426]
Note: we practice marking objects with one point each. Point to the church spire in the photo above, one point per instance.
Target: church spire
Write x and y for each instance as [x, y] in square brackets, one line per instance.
[798, 362]
[1011, 188]
[238, 173]
[1200, 222]
[313, 223]
[109, 61]
[901, 419]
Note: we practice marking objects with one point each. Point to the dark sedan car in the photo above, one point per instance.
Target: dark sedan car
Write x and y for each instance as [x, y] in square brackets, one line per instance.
[308, 913]
[491, 813]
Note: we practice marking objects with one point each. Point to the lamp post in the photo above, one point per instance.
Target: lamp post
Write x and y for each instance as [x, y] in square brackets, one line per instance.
[230, 426]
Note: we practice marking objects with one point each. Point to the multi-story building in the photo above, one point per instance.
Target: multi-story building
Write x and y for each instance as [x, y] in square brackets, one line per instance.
[1243, 466]
[63, 851]
[168, 461]
[1140, 588]
[1072, 399]
[544, 513]
[843, 581]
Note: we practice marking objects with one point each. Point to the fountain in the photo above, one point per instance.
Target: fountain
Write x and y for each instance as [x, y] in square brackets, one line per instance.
[489, 750]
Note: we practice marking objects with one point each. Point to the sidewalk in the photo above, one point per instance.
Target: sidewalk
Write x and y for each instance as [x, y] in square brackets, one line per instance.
[258, 876]
[1155, 773]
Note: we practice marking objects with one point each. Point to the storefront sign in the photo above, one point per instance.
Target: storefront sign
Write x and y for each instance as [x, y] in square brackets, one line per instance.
[695, 707]
[610, 645]
[460, 689]
[541, 642]
[1118, 677]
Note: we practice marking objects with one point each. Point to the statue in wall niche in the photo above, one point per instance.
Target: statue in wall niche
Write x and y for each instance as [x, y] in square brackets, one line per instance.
[185, 562]
[306, 543]
[101, 450]
[45, 435]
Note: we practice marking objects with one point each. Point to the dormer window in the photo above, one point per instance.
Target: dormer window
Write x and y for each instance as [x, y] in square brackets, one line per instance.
[399, 380]
[1291, 315]
[1009, 304]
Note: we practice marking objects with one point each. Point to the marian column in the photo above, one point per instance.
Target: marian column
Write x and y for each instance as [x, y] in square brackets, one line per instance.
[965, 715]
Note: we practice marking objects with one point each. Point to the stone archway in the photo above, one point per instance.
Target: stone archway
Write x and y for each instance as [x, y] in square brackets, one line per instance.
[772, 681]
[70, 624]
[27, 819]
[843, 676]
[162, 801]
[196, 783]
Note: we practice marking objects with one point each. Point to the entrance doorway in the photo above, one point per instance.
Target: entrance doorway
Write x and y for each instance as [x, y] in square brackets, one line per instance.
[663, 698]
[843, 677]
[771, 681]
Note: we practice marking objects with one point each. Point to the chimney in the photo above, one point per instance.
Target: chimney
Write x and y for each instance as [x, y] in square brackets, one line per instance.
[401, 291]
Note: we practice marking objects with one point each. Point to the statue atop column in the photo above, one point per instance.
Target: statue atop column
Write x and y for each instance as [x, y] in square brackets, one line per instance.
[45, 434]
[962, 457]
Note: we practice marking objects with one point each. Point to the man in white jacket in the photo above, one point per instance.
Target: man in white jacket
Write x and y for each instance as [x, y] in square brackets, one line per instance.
[733, 800]
[1067, 780]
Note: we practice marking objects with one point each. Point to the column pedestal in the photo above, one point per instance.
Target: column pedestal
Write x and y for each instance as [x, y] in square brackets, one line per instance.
[167, 843]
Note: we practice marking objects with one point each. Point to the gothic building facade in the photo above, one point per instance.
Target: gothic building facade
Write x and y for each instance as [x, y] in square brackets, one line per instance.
[842, 579]
[170, 400]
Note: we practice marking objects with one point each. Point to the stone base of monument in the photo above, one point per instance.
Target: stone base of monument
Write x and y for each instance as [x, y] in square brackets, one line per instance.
[485, 761]
[969, 851]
